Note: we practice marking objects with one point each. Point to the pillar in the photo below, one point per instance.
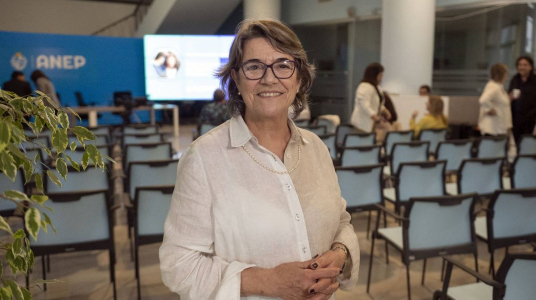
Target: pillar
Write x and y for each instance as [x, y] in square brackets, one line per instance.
[258, 9]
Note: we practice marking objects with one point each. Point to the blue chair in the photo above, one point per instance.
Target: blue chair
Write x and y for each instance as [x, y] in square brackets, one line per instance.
[330, 126]
[523, 172]
[301, 123]
[7, 208]
[480, 175]
[454, 152]
[78, 154]
[151, 209]
[507, 220]
[527, 145]
[408, 152]
[141, 139]
[83, 222]
[362, 188]
[99, 141]
[36, 142]
[140, 129]
[491, 146]
[342, 131]
[393, 137]
[431, 227]
[434, 136]
[360, 156]
[515, 280]
[90, 179]
[359, 139]
[329, 140]
[318, 130]
[204, 128]
[146, 152]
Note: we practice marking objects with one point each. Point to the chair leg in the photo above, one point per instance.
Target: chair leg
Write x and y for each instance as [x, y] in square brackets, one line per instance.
[408, 281]
[371, 259]
[48, 263]
[368, 224]
[443, 265]
[386, 252]
[423, 271]
[112, 272]
[43, 267]
[492, 264]
[137, 267]
[476, 265]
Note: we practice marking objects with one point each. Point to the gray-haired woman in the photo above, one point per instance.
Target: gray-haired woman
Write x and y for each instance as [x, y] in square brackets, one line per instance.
[257, 211]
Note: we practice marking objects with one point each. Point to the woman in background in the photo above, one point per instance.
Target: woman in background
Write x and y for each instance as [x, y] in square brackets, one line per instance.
[435, 119]
[46, 86]
[522, 92]
[495, 117]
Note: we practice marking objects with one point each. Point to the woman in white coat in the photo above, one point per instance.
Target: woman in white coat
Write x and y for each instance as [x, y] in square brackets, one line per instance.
[495, 115]
[369, 100]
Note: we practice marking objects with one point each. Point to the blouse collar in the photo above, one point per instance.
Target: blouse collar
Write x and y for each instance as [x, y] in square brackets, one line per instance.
[240, 133]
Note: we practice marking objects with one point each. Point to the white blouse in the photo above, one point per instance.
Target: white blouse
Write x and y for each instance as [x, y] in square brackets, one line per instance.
[228, 213]
[367, 103]
[494, 97]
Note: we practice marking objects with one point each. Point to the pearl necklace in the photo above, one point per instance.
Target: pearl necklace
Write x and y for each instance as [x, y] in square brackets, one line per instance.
[272, 170]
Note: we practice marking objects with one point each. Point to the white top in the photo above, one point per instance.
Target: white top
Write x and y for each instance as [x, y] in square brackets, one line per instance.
[228, 213]
[494, 97]
[367, 103]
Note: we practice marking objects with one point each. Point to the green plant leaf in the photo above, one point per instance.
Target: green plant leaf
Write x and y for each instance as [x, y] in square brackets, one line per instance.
[39, 124]
[37, 158]
[54, 178]
[28, 170]
[16, 134]
[8, 166]
[11, 260]
[73, 146]
[50, 118]
[49, 222]
[72, 111]
[109, 158]
[16, 195]
[15, 289]
[64, 119]
[44, 226]
[30, 255]
[38, 181]
[83, 133]
[32, 219]
[16, 152]
[61, 166]
[85, 159]
[5, 135]
[17, 247]
[19, 234]
[26, 294]
[74, 164]
[60, 140]
[94, 154]
[39, 199]
[1, 274]
[5, 226]
[5, 293]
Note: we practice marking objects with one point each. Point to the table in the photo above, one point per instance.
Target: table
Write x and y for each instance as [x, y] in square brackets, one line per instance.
[92, 112]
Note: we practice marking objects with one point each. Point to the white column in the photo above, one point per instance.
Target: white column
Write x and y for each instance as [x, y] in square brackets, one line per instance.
[407, 48]
[258, 9]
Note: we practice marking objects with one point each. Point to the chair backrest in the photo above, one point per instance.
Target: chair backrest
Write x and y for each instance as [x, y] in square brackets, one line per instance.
[408, 152]
[517, 272]
[480, 175]
[359, 139]
[91, 179]
[330, 126]
[152, 207]
[454, 152]
[36, 142]
[361, 187]
[420, 179]
[5, 185]
[329, 140]
[151, 173]
[342, 131]
[141, 139]
[510, 218]
[434, 136]
[204, 128]
[79, 217]
[527, 145]
[318, 130]
[393, 137]
[147, 152]
[301, 123]
[31, 153]
[492, 146]
[100, 140]
[78, 154]
[439, 226]
[523, 173]
[101, 130]
[360, 156]
[151, 129]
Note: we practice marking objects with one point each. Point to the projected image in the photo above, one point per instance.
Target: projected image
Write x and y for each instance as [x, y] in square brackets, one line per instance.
[183, 67]
[166, 64]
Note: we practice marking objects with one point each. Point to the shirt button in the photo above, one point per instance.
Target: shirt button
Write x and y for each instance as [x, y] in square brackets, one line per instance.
[288, 187]
[304, 249]
[288, 155]
[297, 217]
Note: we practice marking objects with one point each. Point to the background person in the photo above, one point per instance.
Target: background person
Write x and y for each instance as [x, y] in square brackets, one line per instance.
[18, 84]
[257, 210]
[425, 90]
[46, 86]
[172, 65]
[522, 91]
[435, 119]
[216, 112]
[495, 117]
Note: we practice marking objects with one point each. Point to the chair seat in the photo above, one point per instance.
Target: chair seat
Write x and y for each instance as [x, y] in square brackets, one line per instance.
[393, 235]
[389, 193]
[452, 188]
[481, 228]
[473, 291]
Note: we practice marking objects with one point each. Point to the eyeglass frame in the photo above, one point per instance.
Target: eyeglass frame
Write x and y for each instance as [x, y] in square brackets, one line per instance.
[269, 66]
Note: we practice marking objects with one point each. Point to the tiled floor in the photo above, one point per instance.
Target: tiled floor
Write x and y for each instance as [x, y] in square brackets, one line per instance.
[85, 274]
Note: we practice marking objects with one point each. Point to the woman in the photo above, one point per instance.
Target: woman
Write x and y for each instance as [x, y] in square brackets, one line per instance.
[522, 91]
[172, 65]
[46, 86]
[495, 117]
[435, 119]
[257, 210]
[369, 100]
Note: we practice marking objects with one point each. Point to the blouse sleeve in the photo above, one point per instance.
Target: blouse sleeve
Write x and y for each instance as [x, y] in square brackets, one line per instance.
[486, 99]
[188, 263]
[363, 98]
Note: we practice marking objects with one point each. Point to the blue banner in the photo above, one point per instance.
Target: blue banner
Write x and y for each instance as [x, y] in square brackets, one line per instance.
[95, 66]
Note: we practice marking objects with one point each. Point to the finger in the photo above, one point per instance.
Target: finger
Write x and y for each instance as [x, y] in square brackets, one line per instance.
[331, 289]
[325, 273]
[321, 285]
[306, 264]
[319, 296]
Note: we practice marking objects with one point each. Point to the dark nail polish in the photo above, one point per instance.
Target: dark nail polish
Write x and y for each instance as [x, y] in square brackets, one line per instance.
[315, 265]
[317, 280]
[312, 292]
[340, 272]
[315, 256]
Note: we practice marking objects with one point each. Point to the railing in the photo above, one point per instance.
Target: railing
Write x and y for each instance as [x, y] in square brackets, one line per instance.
[126, 26]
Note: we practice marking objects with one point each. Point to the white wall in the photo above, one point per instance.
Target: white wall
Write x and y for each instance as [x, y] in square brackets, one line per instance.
[60, 16]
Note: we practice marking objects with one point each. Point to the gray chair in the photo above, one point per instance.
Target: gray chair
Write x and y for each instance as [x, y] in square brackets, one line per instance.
[359, 139]
[140, 129]
[454, 152]
[523, 172]
[492, 146]
[360, 156]
[434, 136]
[393, 137]
[7, 208]
[141, 139]
[407, 152]
[318, 130]
[146, 152]
[342, 131]
[527, 146]
[301, 123]
[329, 140]
[478, 175]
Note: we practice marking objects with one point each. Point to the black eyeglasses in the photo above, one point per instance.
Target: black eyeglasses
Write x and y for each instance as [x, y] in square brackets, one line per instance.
[255, 70]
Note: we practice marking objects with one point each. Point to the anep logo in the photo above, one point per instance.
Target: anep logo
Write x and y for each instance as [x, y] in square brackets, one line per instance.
[18, 61]
[65, 62]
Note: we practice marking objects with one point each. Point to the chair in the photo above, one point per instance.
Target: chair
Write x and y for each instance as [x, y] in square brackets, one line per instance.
[509, 220]
[33, 147]
[204, 128]
[90, 179]
[417, 179]
[478, 175]
[146, 152]
[318, 130]
[362, 188]
[100, 140]
[342, 131]
[393, 137]
[360, 156]
[523, 172]
[527, 145]
[329, 141]
[141, 139]
[515, 280]
[151, 206]
[140, 129]
[84, 222]
[330, 126]
[431, 227]
[301, 123]
[454, 152]
[78, 154]
[491, 146]
[359, 139]
[7, 208]
[407, 152]
[434, 136]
